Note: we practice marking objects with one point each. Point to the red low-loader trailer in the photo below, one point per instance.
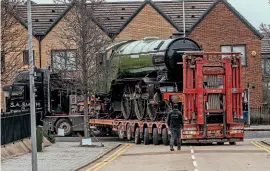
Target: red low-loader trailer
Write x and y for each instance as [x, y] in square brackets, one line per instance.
[212, 104]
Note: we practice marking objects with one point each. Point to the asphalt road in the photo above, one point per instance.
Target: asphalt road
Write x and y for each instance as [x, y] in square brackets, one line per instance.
[250, 155]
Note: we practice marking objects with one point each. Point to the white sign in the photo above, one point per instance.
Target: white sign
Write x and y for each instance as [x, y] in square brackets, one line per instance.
[73, 99]
[61, 132]
[87, 141]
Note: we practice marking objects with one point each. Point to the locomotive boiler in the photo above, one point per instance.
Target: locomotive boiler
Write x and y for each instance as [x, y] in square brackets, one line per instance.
[138, 72]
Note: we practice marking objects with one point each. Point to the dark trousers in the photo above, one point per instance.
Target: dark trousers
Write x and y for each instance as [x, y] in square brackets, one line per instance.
[175, 138]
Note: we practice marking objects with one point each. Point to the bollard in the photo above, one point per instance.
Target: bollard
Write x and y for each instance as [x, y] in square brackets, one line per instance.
[39, 138]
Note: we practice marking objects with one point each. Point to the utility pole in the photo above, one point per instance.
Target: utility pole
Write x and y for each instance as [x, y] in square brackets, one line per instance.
[32, 89]
[184, 17]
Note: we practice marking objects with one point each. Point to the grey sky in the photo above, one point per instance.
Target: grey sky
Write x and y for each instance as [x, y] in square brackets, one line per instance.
[255, 11]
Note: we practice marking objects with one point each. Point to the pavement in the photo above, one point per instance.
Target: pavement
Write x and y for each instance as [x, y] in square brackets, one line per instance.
[258, 128]
[61, 156]
[250, 155]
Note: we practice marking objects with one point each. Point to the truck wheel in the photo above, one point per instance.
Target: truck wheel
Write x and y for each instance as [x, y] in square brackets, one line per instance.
[165, 137]
[137, 136]
[66, 125]
[121, 133]
[146, 139]
[155, 136]
[129, 133]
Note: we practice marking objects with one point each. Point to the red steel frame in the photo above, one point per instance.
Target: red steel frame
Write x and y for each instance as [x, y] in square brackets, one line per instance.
[195, 95]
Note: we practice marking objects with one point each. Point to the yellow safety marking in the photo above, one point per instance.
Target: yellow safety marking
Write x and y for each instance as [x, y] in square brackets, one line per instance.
[112, 159]
[261, 146]
[264, 145]
[111, 156]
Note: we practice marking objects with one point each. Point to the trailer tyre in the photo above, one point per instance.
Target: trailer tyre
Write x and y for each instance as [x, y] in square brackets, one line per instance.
[137, 136]
[146, 139]
[121, 133]
[155, 136]
[165, 137]
[129, 132]
[66, 125]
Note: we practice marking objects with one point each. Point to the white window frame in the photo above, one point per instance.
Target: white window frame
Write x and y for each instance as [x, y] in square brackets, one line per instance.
[244, 56]
[63, 51]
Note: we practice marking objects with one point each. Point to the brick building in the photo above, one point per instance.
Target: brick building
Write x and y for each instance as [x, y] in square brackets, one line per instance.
[214, 24]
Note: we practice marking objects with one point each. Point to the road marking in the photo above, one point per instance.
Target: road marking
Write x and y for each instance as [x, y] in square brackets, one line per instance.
[195, 164]
[192, 151]
[115, 153]
[113, 158]
[261, 146]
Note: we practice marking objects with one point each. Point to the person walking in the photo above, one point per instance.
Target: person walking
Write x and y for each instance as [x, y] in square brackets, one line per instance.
[175, 124]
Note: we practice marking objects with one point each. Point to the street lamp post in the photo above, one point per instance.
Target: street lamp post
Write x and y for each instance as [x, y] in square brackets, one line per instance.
[32, 89]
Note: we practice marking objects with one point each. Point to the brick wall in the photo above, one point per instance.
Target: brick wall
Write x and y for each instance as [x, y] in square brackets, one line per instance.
[222, 27]
[147, 23]
[53, 41]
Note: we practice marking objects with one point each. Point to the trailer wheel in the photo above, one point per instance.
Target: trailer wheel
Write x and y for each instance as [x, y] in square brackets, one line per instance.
[66, 125]
[137, 136]
[165, 137]
[121, 133]
[155, 136]
[146, 139]
[129, 133]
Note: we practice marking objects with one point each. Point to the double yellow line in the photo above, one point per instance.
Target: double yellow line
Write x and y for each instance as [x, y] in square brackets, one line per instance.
[110, 158]
[261, 146]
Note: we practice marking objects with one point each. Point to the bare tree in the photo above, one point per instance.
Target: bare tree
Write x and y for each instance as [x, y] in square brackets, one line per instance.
[84, 42]
[13, 40]
[265, 29]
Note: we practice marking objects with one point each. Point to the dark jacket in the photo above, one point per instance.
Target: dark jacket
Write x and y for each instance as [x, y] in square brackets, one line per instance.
[175, 119]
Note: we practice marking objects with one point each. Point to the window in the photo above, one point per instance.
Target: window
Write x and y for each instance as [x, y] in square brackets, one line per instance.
[236, 48]
[26, 58]
[64, 60]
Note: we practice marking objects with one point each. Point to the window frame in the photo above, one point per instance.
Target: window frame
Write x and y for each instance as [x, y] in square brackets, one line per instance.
[65, 51]
[237, 45]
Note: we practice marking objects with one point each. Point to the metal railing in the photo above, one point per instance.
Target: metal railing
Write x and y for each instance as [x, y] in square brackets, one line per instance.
[17, 125]
[260, 116]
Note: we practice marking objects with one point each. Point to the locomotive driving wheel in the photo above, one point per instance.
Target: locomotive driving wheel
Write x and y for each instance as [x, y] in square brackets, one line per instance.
[152, 111]
[126, 102]
[139, 108]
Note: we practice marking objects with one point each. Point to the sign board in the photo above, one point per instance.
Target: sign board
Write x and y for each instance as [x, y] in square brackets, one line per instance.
[73, 104]
[73, 99]
[61, 132]
[87, 141]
